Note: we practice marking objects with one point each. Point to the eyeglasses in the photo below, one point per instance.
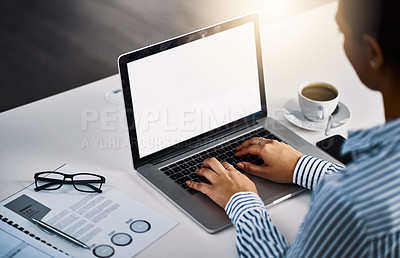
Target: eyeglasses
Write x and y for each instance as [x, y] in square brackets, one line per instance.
[84, 182]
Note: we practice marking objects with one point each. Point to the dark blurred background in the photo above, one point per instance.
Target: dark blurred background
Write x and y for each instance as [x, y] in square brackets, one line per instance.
[47, 47]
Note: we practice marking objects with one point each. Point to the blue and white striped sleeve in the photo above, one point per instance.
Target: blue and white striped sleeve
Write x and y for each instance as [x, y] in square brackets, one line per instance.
[310, 170]
[256, 235]
[332, 228]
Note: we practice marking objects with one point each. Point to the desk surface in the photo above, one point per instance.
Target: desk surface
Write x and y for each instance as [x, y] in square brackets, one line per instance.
[81, 128]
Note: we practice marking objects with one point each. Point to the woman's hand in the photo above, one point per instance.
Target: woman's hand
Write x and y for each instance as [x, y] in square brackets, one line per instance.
[279, 158]
[225, 181]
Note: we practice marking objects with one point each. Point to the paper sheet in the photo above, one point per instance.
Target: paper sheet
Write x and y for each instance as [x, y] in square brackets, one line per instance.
[16, 244]
[111, 223]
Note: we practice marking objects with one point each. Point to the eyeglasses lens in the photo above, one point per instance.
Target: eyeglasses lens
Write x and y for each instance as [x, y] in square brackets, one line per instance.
[51, 182]
[87, 183]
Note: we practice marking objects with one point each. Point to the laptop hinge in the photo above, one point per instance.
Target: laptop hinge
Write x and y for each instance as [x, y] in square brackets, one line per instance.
[204, 142]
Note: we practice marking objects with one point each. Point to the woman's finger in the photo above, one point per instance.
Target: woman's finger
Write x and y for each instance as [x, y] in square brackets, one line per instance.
[207, 173]
[213, 164]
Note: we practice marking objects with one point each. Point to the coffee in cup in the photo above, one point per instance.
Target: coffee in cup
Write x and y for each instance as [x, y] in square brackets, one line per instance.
[318, 100]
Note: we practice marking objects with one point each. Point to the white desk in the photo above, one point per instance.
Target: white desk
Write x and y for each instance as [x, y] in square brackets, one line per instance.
[55, 130]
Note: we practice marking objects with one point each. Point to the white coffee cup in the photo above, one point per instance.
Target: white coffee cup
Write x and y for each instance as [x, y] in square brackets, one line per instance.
[318, 100]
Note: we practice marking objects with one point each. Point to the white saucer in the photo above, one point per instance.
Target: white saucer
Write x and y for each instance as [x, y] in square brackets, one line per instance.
[293, 114]
[115, 97]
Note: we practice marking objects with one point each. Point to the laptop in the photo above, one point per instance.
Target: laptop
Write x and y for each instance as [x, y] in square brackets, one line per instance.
[197, 96]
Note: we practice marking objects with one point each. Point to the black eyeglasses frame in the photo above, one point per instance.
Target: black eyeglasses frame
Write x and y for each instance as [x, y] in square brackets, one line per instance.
[52, 181]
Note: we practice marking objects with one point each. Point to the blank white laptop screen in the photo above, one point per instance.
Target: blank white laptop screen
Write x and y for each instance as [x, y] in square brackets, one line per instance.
[191, 89]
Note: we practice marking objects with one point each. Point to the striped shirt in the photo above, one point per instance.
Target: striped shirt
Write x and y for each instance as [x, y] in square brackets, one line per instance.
[354, 211]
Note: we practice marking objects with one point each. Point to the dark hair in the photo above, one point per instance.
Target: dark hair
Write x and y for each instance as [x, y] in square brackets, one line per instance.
[378, 18]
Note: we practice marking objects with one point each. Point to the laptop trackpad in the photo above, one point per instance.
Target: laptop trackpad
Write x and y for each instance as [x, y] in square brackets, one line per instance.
[270, 191]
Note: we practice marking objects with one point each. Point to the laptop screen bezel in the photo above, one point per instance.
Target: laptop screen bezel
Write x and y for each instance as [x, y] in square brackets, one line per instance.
[196, 141]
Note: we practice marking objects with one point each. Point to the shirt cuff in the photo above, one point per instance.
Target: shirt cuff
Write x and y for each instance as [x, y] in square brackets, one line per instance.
[309, 170]
[242, 202]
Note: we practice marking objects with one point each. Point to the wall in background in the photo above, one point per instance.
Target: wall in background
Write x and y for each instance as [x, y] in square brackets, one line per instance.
[47, 47]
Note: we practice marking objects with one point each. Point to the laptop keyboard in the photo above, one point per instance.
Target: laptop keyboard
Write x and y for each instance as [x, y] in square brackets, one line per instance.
[184, 169]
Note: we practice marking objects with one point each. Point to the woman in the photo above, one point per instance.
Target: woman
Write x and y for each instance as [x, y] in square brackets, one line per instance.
[354, 211]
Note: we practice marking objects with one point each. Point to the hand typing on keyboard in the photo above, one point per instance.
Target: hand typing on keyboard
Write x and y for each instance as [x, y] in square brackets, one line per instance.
[277, 158]
[224, 179]
[280, 159]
